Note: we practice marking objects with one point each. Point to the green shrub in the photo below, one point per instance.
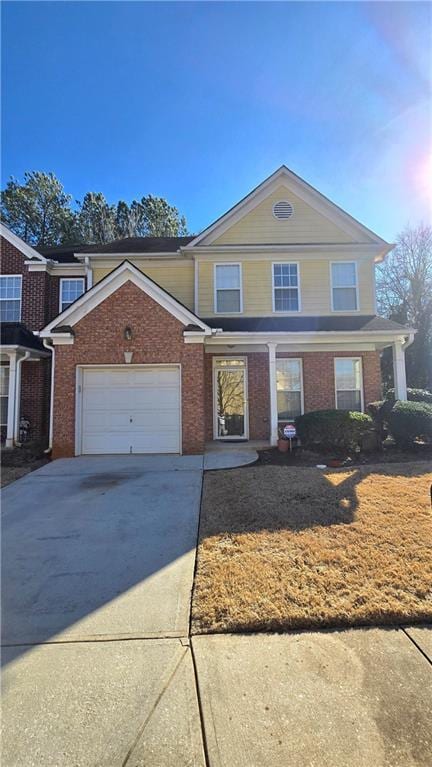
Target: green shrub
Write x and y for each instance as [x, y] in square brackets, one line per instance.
[341, 430]
[410, 420]
[413, 395]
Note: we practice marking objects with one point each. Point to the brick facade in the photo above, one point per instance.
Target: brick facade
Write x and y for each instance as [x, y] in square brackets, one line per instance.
[40, 291]
[157, 339]
[39, 305]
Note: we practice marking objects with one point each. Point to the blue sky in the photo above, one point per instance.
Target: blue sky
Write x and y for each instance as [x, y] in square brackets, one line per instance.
[199, 102]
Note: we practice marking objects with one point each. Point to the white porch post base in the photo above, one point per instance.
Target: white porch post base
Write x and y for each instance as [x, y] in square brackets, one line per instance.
[273, 394]
[11, 399]
[399, 372]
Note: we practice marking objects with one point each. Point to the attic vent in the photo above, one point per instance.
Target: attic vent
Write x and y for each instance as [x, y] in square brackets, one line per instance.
[282, 210]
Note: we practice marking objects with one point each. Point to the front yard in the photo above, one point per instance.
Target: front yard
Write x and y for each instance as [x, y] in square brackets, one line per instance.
[283, 548]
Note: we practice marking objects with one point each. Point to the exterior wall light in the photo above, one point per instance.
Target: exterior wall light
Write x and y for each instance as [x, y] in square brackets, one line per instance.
[127, 333]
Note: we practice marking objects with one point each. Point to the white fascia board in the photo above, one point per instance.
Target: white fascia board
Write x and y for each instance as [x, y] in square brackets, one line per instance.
[20, 245]
[118, 277]
[308, 337]
[361, 252]
[34, 352]
[174, 255]
[62, 270]
[301, 189]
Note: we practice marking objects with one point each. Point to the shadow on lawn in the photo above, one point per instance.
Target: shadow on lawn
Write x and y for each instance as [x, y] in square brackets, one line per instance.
[304, 498]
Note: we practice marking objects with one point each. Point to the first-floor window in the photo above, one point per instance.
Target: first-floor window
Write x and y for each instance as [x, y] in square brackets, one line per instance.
[289, 388]
[70, 290]
[10, 297]
[348, 382]
[4, 391]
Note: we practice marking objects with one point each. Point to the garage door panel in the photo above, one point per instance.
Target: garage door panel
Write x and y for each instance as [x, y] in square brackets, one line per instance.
[134, 410]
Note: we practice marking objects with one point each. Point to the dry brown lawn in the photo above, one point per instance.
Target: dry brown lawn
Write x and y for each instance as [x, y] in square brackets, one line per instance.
[283, 548]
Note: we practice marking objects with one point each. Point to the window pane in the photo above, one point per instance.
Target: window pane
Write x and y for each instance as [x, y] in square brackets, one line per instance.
[10, 311]
[348, 400]
[348, 374]
[285, 275]
[288, 375]
[3, 411]
[228, 300]
[288, 404]
[343, 275]
[344, 299]
[4, 379]
[228, 277]
[286, 300]
[70, 291]
[230, 363]
[10, 287]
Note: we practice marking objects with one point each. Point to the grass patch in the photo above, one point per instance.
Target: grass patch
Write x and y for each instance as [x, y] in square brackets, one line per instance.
[283, 548]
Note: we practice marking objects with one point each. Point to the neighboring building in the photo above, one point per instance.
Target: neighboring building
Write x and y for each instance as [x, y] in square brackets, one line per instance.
[162, 344]
[30, 289]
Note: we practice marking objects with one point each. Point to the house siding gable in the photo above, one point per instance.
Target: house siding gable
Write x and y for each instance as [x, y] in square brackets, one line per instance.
[260, 227]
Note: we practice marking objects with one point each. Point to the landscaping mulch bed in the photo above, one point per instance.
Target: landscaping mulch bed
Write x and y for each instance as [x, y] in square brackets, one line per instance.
[303, 457]
[291, 548]
[17, 462]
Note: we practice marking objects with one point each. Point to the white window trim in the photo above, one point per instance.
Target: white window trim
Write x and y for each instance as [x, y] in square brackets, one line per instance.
[293, 311]
[354, 359]
[215, 288]
[245, 370]
[294, 359]
[345, 311]
[69, 279]
[14, 299]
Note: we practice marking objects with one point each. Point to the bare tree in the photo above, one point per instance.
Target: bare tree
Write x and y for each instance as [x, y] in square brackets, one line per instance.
[404, 292]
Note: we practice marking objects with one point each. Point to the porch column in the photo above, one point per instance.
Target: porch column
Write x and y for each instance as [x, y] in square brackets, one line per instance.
[11, 399]
[273, 394]
[399, 372]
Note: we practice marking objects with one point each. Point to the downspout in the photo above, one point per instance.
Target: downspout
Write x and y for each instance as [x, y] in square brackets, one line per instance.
[17, 408]
[89, 273]
[408, 342]
[50, 348]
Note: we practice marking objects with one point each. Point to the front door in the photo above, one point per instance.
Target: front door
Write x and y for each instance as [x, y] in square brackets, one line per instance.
[230, 398]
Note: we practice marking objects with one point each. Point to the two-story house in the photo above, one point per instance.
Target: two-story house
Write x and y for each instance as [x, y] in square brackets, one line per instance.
[163, 344]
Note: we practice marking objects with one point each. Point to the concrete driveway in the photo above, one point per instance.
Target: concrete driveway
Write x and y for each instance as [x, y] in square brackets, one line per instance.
[99, 669]
[98, 560]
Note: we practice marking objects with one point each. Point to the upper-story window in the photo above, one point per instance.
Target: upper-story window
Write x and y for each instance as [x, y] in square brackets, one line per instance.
[71, 288]
[286, 289]
[344, 286]
[228, 292]
[10, 298]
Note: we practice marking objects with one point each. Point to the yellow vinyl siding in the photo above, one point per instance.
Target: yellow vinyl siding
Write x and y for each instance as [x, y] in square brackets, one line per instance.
[306, 225]
[315, 286]
[177, 280]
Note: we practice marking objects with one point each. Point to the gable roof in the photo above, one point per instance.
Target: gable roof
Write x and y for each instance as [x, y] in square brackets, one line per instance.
[302, 189]
[123, 273]
[19, 244]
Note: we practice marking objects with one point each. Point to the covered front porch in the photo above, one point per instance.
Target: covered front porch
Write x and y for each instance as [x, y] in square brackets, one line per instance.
[18, 345]
[256, 385]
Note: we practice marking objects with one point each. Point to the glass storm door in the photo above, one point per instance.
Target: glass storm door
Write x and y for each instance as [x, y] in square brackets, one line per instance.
[230, 405]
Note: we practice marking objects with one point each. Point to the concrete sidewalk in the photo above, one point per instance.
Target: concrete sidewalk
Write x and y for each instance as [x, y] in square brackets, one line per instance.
[360, 697]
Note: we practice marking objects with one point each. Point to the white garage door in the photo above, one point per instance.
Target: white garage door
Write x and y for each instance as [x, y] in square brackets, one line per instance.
[131, 410]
